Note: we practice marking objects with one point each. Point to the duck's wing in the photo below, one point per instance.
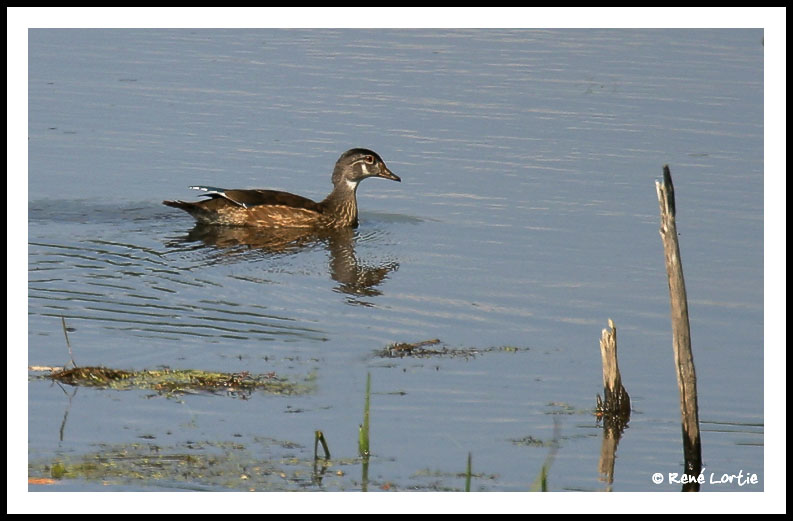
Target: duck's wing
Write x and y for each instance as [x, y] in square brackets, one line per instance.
[252, 198]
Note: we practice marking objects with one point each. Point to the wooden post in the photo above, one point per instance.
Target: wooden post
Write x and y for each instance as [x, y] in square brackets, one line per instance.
[615, 407]
[615, 397]
[681, 333]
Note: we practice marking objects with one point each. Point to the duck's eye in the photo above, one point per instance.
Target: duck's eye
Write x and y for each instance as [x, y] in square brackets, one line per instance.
[369, 159]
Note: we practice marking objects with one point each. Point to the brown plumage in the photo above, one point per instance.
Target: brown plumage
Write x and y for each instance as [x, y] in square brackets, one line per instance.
[274, 209]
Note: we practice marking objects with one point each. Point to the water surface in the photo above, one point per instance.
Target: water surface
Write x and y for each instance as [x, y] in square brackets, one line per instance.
[526, 218]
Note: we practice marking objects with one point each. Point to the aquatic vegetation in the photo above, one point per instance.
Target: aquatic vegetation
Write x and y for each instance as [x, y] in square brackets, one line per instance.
[468, 474]
[363, 430]
[436, 348]
[263, 465]
[179, 381]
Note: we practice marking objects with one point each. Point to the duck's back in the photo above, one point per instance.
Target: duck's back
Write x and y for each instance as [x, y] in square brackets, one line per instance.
[270, 208]
[251, 198]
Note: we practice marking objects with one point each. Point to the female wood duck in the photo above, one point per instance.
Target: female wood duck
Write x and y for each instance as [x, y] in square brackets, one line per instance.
[274, 209]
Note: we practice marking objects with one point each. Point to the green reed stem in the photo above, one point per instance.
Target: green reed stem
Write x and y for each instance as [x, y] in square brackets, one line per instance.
[363, 430]
[68, 344]
[320, 438]
[468, 474]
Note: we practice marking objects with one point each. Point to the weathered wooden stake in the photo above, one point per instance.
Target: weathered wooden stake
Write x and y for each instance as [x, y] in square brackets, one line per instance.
[681, 333]
[615, 407]
[615, 397]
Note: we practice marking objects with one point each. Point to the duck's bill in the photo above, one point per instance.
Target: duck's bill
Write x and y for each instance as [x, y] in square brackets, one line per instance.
[388, 174]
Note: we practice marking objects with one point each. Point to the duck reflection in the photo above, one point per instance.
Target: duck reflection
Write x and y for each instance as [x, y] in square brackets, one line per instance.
[354, 277]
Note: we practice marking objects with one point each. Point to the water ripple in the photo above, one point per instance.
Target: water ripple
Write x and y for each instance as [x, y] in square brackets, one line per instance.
[123, 286]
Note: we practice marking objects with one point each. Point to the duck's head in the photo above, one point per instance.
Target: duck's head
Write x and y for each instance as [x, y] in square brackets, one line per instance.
[357, 164]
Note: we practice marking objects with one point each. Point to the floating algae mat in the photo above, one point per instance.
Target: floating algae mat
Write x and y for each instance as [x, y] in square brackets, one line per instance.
[179, 381]
[263, 464]
[436, 348]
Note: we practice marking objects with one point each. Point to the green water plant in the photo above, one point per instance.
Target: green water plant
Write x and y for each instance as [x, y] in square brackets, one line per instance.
[468, 474]
[363, 429]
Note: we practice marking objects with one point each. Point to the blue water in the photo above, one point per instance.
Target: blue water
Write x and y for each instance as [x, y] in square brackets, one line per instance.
[527, 217]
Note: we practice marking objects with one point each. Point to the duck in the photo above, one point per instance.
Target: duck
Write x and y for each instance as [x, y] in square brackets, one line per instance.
[275, 209]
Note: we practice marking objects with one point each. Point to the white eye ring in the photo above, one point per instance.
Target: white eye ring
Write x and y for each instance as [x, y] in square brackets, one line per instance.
[369, 159]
